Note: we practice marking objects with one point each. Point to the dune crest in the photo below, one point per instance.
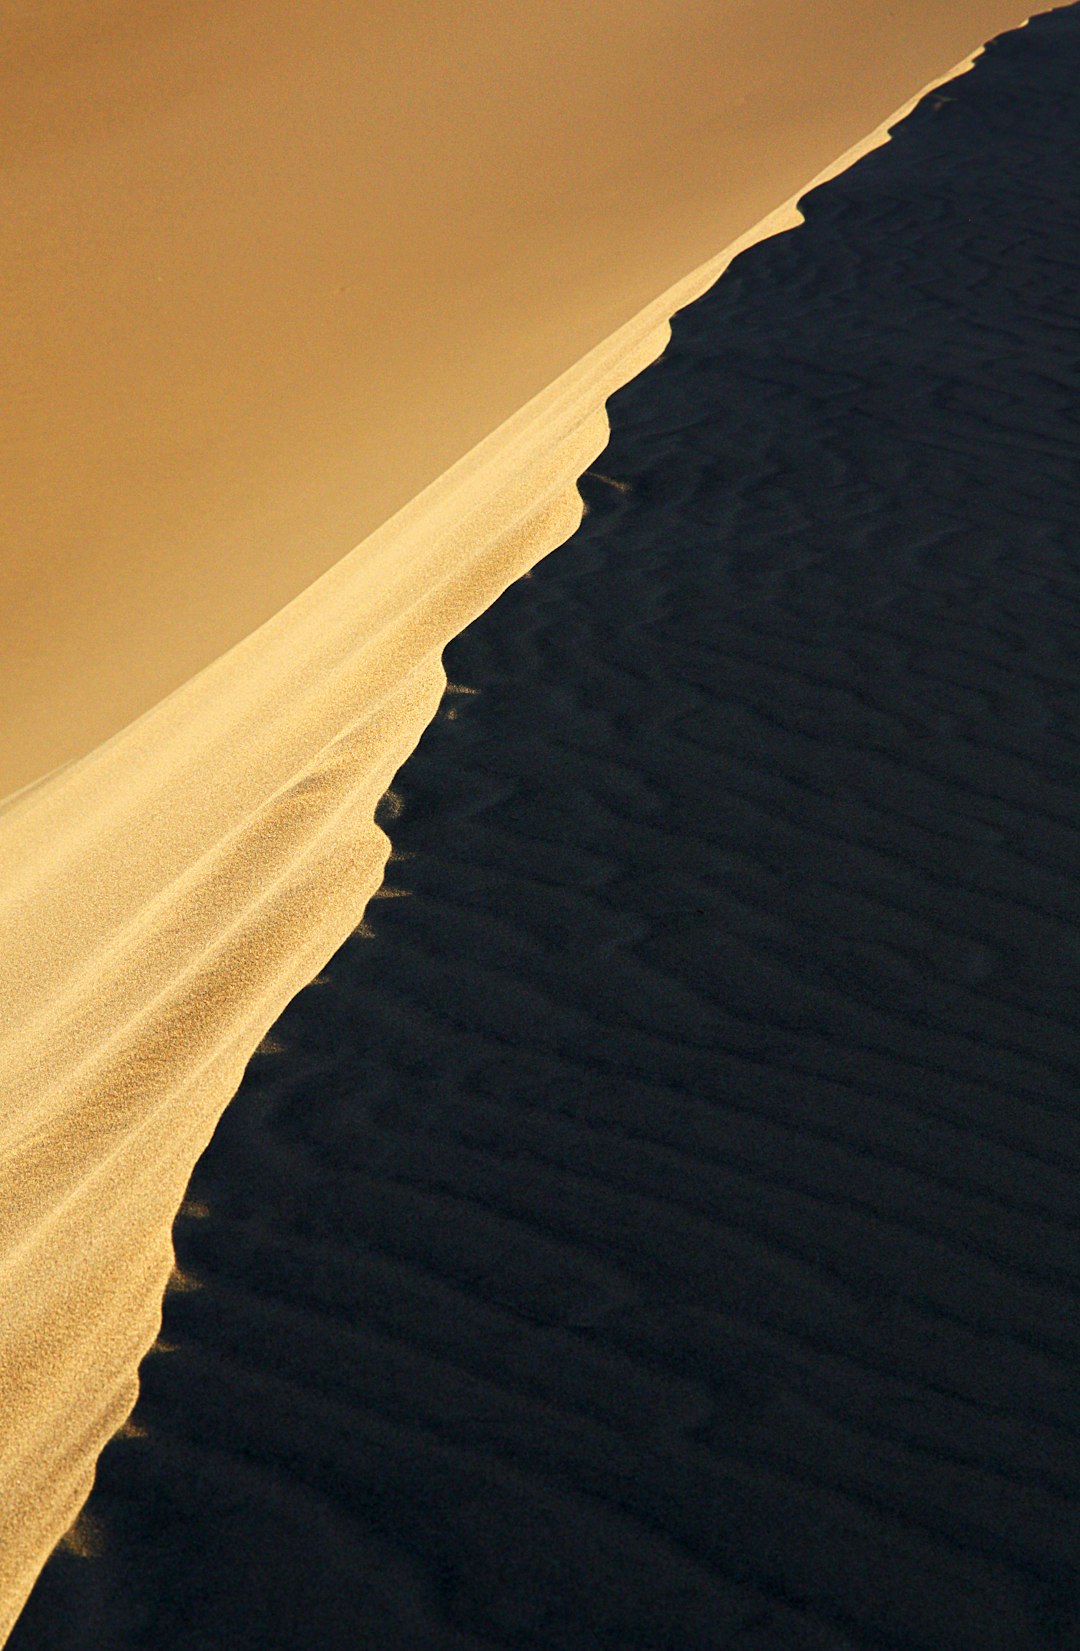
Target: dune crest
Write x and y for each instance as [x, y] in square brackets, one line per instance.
[162, 898]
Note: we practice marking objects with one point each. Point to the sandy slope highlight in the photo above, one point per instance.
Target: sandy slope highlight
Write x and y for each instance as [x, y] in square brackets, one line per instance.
[163, 898]
[269, 269]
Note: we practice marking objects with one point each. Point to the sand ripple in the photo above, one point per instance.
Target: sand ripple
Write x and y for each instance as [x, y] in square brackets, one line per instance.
[782, 914]
[659, 1230]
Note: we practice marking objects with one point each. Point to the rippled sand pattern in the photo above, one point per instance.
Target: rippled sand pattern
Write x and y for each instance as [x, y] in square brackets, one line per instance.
[656, 1228]
[162, 899]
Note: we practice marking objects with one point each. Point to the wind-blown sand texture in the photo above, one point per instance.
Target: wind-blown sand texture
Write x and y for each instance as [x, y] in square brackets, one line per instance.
[658, 1230]
[269, 269]
[164, 897]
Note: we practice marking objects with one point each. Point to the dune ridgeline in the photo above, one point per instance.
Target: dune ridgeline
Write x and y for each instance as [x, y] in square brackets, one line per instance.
[273, 290]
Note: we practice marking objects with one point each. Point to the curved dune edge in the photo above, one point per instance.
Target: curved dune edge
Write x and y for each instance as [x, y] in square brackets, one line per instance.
[163, 898]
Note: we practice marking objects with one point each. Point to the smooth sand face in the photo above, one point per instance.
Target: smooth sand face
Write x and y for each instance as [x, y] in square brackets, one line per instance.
[268, 269]
[187, 451]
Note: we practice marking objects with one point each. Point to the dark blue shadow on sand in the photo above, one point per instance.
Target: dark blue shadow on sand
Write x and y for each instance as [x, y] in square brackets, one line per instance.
[657, 1233]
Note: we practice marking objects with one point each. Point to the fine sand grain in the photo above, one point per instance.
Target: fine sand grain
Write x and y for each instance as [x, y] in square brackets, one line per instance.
[657, 1228]
[162, 899]
[268, 269]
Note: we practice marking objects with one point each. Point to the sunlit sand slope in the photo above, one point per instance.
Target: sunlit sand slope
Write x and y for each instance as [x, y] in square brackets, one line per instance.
[657, 1229]
[269, 269]
[161, 899]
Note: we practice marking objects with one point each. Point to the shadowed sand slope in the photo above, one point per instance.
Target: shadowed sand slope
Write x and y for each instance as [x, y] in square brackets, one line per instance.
[162, 898]
[655, 1231]
[269, 269]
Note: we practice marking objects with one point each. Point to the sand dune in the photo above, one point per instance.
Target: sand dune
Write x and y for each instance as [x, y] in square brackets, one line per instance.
[658, 1228]
[268, 270]
[163, 897]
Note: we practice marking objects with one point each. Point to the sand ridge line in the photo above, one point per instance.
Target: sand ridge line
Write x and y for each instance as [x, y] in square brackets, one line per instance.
[189, 190]
[106, 846]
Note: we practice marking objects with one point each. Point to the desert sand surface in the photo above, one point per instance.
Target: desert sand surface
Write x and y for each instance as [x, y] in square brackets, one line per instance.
[163, 896]
[269, 269]
[656, 1228]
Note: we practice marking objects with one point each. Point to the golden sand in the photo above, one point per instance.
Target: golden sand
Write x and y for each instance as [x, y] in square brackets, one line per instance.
[162, 898]
[269, 269]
